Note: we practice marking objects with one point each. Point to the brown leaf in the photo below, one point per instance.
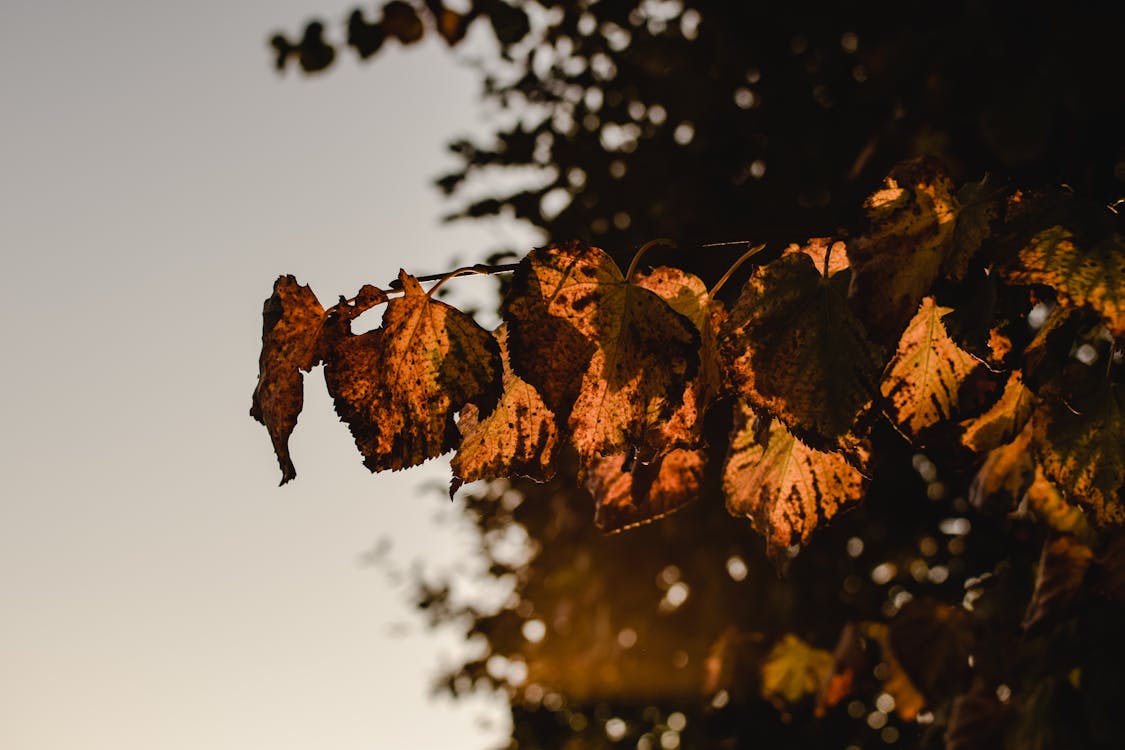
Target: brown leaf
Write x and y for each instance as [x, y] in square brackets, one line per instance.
[822, 249]
[608, 356]
[398, 386]
[933, 642]
[793, 671]
[625, 498]
[1081, 447]
[908, 701]
[1004, 420]
[1062, 571]
[847, 661]
[976, 720]
[1093, 278]
[401, 21]
[1051, 508]
[518, 437]
[1006, 473]
[793, 348]
[926, 372]
[978, 208]
[894, 265]
[783, 486]
[292, 319]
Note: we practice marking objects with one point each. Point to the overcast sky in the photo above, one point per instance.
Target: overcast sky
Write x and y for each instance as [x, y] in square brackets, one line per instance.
[157, 589]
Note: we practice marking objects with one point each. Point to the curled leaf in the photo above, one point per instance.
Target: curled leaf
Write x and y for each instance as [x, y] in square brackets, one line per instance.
[398, 386]
[926, 372]
[1004, 420]
[1052, 509]
[793, 671]
[1006, 473]
[625, 497]
[783, 486]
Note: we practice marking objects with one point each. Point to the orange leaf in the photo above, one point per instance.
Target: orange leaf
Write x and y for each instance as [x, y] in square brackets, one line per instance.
[627, 498]
[398, 386]
[1004, 420]
[1006, 473]
[926, 372]
[783, 486]
[793, 671]
[821, 249]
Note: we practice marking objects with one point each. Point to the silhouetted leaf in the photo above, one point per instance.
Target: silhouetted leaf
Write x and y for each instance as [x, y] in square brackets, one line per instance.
[793, 671]
[793, 348]
[398, 386]
[1093, 278]
[401, 21]
[292, 319]
[926, 373]
[567, 300]
[783, 486]
[626, 497]
[517, 438]
[978, 208]
[1004, 420]
[933, 642]
[1081, 447]
[366, 38]
[1058, 583]
[894, 265]
[976, 720]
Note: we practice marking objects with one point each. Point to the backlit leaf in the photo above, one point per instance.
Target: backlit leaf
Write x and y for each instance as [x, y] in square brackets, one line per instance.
[896, 683]
[821, 249]
[794, 670]
[793, 348]
[1004, 420]
[398, 386]
[1091, 277]
[1081, 447]
[896, 262]
[1051, 508]
[1006, 473]
[783, 486]
[645, 492]
[926, 372]
[517, 438]
[608, 356]
[292, 319]
[1058, 583]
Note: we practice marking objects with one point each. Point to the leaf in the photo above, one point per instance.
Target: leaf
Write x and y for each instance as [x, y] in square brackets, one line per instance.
[687, 294]
[847, 661]
[1006, 473]
[401, 21]
[926, 372]
[896, 683]
[292, 319]
[973, 225]
[793, 671]
[398, 386]
[976, 720]
[518, 437]
[933, 642]
[1052, 510]
[793, 348]
[1093, 278]
[913, 217]
[625, 498]
[783, 486]
[1004, 420]
[821, 249]
[1058, 583]
[609, 357]
[1081, 447]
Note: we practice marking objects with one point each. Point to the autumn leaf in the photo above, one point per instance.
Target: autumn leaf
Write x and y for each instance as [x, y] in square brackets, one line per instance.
[1093, 278]
[793, 348]
[822, 249]
[978, 209]
[627, 497]
[292, 319]
[610, 357]
[794, 670]
[976, 720]
[926, 372]
[847, 661]
[895, 263]
[783, 486]
[1081, 447]
[1006, 473]
[517, 438]
[1004, 420]
[1052, 510]
[933, 642]
[1058, 582]
[398, 386]
[896, 683]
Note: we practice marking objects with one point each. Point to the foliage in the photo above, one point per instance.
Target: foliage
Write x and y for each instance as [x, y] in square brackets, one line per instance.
[950, 355]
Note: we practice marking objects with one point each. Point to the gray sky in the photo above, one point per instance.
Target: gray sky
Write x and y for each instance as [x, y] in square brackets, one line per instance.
[157, 589]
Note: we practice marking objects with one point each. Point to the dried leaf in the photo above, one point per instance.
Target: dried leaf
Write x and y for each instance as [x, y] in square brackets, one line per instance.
[976, 720]
[973, 226]
[894, 265]
[1004, 420]
[793, 348]
[847, 660]
[1052, 509]
[401, 21]
[628, 497]
[398, 386]
[1006, 473]
[933, 642]
[292, 319]
[1093, 278]
[896, 683]
[793, 671]
[784, 487]
[1062, 571]
[518, 438]
[926, 372]
[608, 356]
[821, 249]
[1081, 447]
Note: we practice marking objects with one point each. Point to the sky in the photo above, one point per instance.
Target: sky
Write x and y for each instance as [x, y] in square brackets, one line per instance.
[158, 590]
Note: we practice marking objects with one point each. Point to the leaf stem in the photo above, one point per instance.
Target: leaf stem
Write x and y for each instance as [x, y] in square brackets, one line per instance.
[734, 267]
[479, 269]
[644, 249]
